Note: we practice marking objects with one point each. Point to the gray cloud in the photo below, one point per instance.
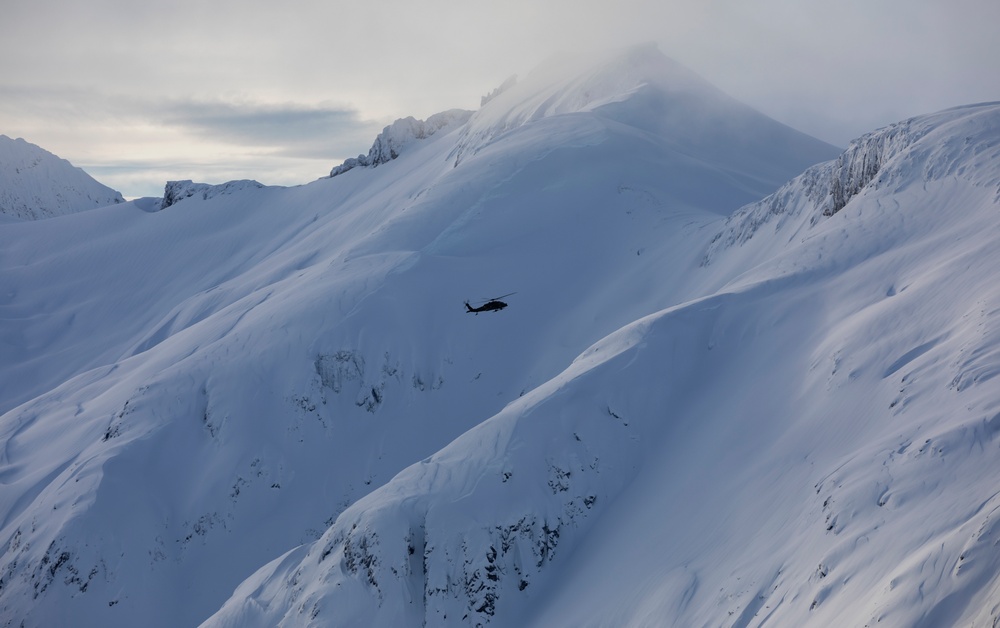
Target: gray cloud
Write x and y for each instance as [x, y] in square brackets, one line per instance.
[305, 78]
[289, 130]
[135, 145]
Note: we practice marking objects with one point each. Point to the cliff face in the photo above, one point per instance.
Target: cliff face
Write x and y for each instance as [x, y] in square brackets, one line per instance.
[954, 143]
[176, 191]
[394, 139]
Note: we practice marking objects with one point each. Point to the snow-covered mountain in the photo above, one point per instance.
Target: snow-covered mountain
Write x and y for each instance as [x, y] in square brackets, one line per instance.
[813, 442]
[35, 184]
[785, 415]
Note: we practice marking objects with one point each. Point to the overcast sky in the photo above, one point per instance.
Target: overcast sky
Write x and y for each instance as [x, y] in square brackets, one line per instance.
[137, 93]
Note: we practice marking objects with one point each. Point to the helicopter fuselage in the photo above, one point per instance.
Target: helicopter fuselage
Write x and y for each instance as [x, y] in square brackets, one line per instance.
[490, 306]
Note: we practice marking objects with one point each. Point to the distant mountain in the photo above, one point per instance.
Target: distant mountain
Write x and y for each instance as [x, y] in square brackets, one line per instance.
[36, 184]
[394, 139]
[716, 396]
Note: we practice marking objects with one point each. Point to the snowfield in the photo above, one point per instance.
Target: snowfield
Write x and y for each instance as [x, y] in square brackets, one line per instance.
[735, 386]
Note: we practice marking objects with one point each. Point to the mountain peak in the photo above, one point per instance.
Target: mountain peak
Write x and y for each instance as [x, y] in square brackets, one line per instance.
[638, 87]
[582, 82]
[35, 184]
[642, 88]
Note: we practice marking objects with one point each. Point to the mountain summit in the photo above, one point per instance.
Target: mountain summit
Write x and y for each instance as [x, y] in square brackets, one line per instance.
[35, 184]
[707, 132]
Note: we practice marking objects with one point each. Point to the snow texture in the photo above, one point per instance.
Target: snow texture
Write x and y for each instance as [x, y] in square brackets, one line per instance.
[267, 406]
[36, 184]
[879, 160]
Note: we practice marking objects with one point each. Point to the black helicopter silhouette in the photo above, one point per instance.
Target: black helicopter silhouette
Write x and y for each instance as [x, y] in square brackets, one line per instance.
[489, 305]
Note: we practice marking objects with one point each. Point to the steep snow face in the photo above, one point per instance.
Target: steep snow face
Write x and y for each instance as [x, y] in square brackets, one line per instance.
[813, 443]
[927, 148]
[195, 391]
[863, 493]
[35, 184]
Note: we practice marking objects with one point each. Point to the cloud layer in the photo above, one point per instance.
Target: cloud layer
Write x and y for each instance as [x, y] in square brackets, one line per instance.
[109, 83]
[137, 144]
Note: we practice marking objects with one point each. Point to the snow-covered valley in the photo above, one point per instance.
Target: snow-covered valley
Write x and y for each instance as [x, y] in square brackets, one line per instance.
[705, 404]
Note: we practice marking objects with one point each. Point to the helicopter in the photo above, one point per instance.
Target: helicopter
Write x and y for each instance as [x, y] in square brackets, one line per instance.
[488, 305]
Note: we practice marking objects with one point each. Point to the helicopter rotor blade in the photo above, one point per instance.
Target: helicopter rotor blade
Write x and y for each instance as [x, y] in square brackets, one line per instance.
[499, 297]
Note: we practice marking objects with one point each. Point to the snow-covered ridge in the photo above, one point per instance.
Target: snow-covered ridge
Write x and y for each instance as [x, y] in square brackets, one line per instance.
[176, 191]
[394, 139]
[35, 184]
[949, 143]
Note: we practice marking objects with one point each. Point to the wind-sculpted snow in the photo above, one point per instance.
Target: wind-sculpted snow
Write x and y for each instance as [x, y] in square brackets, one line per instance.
[472, 532]
[814, 445]
[855, 497]
[957, 142]
[36, 184]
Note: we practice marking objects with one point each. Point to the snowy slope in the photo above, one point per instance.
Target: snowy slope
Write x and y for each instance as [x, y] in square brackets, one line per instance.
[35, 184]
[193, 392]
[814, 444]
[847, 476]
